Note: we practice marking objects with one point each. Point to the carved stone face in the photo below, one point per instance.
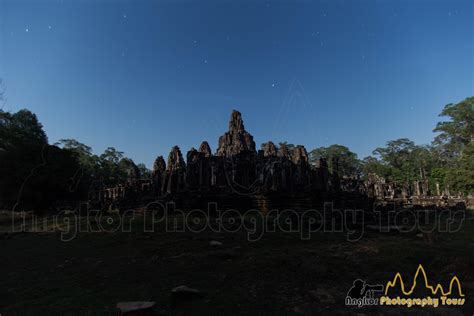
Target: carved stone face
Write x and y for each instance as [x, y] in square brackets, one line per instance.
[237, 139]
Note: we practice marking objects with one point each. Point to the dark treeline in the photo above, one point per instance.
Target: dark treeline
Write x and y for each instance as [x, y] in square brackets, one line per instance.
[449, 159]
[36, 175]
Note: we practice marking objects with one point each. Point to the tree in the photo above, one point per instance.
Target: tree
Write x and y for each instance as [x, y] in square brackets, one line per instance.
[145, 173]
[396, 152]
[461, 176]
[75, 146]
[403, 161]
[21, 128]
[373, 165]
[112, 155]
[110, 170]
[349, 165]
[34, 174]
[458, 132]
[128, 170]
[82, 152]
[453, 146]
[5, 134]
[35, 177]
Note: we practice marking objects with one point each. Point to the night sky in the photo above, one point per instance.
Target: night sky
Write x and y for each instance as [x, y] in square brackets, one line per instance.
[143, 76]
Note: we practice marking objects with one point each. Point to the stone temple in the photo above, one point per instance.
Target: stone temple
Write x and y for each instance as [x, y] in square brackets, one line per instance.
[240, 176]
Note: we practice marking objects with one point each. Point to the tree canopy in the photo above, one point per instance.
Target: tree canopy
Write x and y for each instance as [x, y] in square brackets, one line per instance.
[35, 174]
[349, 165]
[21, 127]
[458, 132]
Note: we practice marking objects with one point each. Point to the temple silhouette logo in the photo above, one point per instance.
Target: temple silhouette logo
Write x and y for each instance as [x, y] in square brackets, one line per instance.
[398, 292]
[438, 289]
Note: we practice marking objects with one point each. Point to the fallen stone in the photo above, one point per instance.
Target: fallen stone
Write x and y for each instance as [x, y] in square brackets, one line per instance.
[215, 243]
[185, 292]
[135, 308]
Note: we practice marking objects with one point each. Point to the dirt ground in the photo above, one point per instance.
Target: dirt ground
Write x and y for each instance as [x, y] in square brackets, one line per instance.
[278, 274]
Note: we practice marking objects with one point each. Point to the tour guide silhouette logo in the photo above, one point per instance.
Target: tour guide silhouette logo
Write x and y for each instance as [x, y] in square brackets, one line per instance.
[397, 293]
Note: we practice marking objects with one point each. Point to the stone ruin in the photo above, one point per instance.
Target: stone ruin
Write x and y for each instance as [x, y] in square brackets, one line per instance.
[239, 175]
[236, 174]
[418, 193]
[238, 168]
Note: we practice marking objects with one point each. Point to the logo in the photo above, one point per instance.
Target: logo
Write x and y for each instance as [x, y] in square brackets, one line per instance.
[419, 292]
[363, 294]
[432, 295]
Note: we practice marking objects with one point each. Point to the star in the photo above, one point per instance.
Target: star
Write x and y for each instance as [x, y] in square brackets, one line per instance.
[205, 61]
[124, 16]
[27, 30]
[49, 27]
[273, 85]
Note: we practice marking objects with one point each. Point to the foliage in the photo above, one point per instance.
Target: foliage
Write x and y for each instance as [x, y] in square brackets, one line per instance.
[461, 176]
[458, 132]
[112, 155]
[396, 153]
[449, 160]
[454, 146]
[144, 171]
[20, 128]
[373, 165]
[349, 165]
[35, 175]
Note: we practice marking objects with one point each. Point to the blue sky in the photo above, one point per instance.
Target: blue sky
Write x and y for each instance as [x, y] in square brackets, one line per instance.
[143, 76]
